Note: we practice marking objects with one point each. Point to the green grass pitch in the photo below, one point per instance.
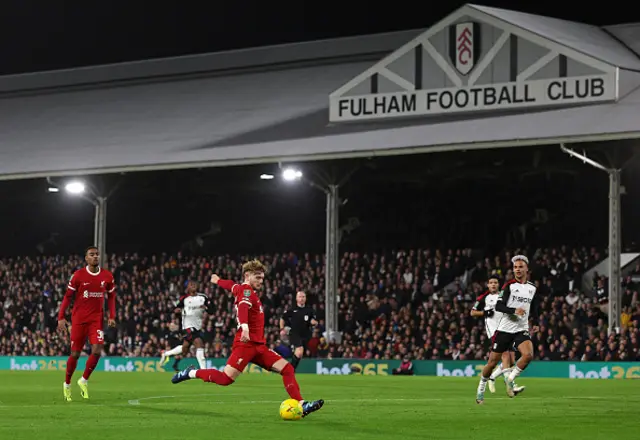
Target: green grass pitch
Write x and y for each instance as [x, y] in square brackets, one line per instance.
[148, 406]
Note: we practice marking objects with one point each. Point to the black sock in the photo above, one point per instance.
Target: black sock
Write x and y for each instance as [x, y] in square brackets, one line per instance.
[175, 364]
[295, 361]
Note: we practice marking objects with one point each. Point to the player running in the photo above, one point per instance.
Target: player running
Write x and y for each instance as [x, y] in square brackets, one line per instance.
[485, 307]
[249, 344]
[297, 323]
[88, 287]
[193, 305]
[516, 302]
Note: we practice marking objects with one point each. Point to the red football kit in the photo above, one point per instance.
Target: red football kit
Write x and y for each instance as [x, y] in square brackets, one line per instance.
[249, 312]
[88, 291]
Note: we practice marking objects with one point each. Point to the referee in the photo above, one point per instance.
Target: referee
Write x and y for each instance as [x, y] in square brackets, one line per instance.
[297, 322]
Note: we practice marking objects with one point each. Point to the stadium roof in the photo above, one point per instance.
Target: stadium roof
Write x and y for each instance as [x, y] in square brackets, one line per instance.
[270, 104]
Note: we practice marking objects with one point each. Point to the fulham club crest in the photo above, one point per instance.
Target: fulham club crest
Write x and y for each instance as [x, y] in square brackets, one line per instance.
[464, 46]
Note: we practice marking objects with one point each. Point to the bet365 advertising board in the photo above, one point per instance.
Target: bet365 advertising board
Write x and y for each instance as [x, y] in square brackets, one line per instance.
[572, 370]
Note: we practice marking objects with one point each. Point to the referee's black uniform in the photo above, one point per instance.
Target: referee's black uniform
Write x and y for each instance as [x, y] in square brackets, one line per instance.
[299, 320]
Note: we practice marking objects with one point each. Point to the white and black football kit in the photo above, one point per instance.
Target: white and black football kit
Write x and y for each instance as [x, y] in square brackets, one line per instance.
[487, 303]
[513, 330]
[193, 308]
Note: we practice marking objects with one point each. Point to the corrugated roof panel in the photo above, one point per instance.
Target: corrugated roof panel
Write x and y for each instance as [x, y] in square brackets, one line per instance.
[590, 40]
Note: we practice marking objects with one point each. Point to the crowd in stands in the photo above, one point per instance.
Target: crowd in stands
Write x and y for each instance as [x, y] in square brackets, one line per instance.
[392, 305]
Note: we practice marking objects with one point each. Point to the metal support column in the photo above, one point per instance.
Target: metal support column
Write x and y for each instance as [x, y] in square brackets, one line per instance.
[332, 263]
[615, 272]
[615, 275]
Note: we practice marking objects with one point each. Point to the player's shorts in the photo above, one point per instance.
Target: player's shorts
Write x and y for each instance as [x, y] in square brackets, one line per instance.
[191, 334]
[243, 353]
[298, 341]
[503, 341]
[81, 332]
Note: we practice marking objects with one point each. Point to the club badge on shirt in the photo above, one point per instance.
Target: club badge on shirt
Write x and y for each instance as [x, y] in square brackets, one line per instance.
[247, 293]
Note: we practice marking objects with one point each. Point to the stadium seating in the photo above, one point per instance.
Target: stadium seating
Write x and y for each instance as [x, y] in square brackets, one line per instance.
[405, 302]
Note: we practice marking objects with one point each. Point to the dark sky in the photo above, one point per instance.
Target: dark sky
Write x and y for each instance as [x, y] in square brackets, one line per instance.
[43, 35]
[408, 210]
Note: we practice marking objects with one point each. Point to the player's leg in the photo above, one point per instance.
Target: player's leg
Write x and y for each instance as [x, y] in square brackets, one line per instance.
[499, 370]
[78, 338]
[517, 389]
[202, 361]
[175, 351]
[237, 362]
[96, 339]
[525, 347]
[298, 349]
[272, 361]
[499, 345]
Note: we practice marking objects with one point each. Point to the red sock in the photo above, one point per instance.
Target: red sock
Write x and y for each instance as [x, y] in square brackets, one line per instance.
[215, 376]
[92, 363]
[290, 382]
[72, 363]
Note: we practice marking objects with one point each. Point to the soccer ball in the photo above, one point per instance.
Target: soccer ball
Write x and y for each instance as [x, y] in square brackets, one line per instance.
[290, 409]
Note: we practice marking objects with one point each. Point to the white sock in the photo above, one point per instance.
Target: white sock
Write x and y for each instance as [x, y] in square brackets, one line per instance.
[66, 385]
[192, 374]
[483, 384]
[83, 381]
[514, 373]
[497, 372]
[201, 360]
[174, 351]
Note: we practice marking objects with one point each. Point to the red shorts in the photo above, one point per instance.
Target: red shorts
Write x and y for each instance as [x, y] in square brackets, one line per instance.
[81, 332]
[259, 354]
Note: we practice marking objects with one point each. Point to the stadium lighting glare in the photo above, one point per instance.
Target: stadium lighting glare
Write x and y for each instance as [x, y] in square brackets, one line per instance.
[291, 174]
[53, 189]
[74, 187]
[267, 176]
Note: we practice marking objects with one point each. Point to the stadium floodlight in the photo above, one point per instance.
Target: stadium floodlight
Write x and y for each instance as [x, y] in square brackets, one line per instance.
[267, 176]
[290, 174]
[75, 187]
[53, 189]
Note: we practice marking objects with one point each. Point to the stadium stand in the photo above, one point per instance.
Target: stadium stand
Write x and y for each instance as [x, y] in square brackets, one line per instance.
[392, 304]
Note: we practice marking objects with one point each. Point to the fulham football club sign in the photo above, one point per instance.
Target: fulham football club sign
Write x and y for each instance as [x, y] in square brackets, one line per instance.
[468, 63]
[464, 44]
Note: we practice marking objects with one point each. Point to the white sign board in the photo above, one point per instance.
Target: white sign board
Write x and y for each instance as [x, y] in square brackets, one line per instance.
[514, 95]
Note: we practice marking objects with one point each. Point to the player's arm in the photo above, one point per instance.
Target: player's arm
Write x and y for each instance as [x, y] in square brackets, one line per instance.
[477, 310]
[179, 306]
[285, 321]
[111, 302]
[234, 287]
[242, 308]
[313, 320]
[534, 312]
[72, 288]
[503, 299]
[209, 307]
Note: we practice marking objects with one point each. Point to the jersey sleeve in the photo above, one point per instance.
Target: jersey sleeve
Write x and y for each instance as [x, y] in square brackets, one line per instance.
[503, 300]
[534, 310]
[111, 297]
[312, 314]
[480, 303]
[72, 288]
[287, 317]
[209, 306]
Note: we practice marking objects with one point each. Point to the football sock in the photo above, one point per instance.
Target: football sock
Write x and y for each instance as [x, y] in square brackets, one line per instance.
[92, 363]
[212, 375]
[72, 363]
[483, 384]
[174, 351]
[295, 361]
[514, 373]
[497, 372]
[201, 359]
[290, 382]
